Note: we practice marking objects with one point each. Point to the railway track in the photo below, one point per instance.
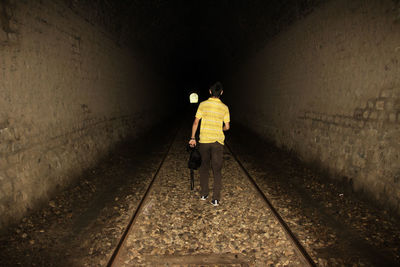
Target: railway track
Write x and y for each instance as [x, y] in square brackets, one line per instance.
[305, 258]
[121, 242]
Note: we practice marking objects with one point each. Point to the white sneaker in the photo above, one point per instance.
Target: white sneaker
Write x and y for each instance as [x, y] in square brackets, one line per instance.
[215, 202]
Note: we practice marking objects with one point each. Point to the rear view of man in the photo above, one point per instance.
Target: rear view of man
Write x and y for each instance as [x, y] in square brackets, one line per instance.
[215, 118]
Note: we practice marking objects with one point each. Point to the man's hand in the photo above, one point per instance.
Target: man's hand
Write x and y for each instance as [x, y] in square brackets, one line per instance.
[192, 142]
[226, 126]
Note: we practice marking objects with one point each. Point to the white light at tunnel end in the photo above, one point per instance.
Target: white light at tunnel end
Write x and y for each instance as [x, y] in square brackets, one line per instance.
[194, 98]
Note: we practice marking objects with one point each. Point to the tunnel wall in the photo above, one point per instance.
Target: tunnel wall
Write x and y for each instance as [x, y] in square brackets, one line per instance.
[328, 89]
[68, 93]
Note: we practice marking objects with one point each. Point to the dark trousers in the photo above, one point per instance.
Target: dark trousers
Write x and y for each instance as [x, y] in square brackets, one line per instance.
[211, 153]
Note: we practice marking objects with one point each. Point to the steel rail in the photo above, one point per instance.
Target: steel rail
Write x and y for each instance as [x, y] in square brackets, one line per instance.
[139, 208]
[292, 237]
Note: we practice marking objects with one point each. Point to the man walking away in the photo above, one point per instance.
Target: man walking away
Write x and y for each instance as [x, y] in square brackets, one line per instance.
[215, 118]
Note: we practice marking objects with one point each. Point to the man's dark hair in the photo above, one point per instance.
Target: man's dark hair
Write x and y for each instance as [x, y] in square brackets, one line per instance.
[216, 89]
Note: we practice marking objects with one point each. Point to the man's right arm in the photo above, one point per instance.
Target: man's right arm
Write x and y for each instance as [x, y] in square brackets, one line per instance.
[226, 126]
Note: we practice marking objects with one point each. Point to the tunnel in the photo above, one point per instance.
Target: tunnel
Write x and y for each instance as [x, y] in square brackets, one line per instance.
[97, 98]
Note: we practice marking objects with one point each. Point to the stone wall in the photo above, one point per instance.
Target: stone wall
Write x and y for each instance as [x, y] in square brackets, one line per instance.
[68, 94]
[328, 88]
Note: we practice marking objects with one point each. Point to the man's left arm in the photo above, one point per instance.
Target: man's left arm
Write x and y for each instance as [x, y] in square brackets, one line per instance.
[195, 125]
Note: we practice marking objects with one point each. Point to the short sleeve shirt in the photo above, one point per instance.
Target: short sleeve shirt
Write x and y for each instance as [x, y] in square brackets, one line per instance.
[212, 113]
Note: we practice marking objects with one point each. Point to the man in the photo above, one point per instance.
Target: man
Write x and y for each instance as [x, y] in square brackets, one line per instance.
[215, 118]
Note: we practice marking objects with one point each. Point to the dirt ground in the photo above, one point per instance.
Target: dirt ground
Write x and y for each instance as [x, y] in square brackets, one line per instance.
[83, 224]
[176, 228]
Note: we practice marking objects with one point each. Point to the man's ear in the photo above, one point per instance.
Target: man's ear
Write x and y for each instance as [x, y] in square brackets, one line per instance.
[209, 92]
[222, 92]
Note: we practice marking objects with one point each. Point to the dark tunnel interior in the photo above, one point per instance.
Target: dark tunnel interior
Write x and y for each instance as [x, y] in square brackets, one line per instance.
[94, 108]
[197, 43]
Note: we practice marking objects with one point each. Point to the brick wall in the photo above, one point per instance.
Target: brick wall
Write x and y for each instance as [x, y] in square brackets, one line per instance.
[328, 88]
[68, 93]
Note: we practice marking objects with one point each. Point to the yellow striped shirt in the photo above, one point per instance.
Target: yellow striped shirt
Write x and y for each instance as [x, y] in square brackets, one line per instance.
[212, 113]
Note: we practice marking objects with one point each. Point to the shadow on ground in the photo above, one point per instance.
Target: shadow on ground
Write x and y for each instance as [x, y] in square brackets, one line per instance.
[337, 225]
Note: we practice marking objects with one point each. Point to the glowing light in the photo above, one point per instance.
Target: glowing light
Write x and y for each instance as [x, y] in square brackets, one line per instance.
[194, 98]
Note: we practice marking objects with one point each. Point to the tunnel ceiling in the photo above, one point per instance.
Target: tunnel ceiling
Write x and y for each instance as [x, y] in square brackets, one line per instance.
[192, 39]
